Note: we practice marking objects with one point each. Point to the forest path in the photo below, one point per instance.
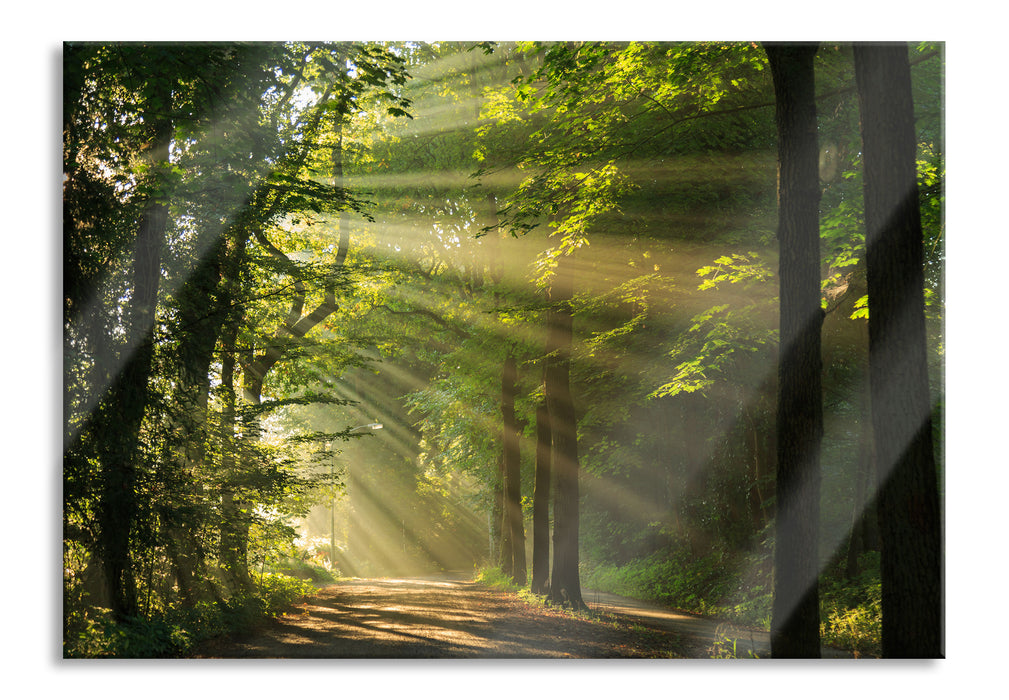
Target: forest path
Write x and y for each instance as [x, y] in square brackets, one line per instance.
[700, 633]
[448, 617]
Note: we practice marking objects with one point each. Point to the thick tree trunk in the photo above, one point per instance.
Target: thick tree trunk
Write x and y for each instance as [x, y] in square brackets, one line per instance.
[230, 544]
[126, 403]
[496, 535]
[565, 586]
[497, 515]
[541, 503]
[199, 329]
[795, 617]
[506, 557]
[512, 472]
[864, 531]
[908, 496]
[230, 554]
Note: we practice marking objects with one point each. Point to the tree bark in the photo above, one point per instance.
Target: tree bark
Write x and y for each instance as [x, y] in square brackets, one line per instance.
[795, 618]
[497, 514]
[231, 552]
[512, 474]
[908, 496]
[199, 329]
[541, 503]
[864, 530]
[126, 403]
[506, 557]
[565, 586]
[231, 555]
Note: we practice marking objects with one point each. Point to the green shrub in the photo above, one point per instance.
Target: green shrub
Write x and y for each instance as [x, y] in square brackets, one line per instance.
[851, 610]
[739, 588]
[298, 568]
[494, 577]
[279, 592]
[92, 633]
[100, 636]
[702, 585]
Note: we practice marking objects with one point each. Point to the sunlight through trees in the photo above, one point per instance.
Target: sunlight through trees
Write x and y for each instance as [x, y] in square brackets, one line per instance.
[611, 303]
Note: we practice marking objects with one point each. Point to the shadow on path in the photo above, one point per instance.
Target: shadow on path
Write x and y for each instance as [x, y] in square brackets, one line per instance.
[449, 616]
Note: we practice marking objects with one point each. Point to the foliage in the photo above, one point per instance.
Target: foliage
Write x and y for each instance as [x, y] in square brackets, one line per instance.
[178, 631]
[726, 645]
[494, 577]
[850, 610]
[712, 585]
[669, 577]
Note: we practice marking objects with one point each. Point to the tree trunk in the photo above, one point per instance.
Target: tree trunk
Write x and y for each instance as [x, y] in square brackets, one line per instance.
[757, 499]
[231, 545]
[541, 503]
[199, 329]
[497, 536]
[512, 472]
[908, 496]
[864, 530]
[565, 586]
[127, 400]
[506, 557]
[497, 515]
[795, 616]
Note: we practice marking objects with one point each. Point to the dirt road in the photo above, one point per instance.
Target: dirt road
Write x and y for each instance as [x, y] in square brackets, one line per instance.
[454, 618]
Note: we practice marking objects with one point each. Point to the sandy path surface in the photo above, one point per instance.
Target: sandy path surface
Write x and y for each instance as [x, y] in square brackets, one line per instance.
[434, 617]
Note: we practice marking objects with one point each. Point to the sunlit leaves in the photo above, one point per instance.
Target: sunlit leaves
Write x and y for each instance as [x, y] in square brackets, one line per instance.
[735, 268]
[861, 308]
[716, 347]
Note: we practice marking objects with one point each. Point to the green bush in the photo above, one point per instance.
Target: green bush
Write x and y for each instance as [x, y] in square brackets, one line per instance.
[99, 636]
[740, 589]
[494, 577]
[278, 592]
[851, 610]
[92, 633]
[701, 585]
[298, 568]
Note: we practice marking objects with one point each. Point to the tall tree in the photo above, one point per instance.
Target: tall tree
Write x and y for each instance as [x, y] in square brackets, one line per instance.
[126, 403]
[541, 503]
[908, 496]
[345, 73]
[795, 617]
[565, 585]
[514, 558]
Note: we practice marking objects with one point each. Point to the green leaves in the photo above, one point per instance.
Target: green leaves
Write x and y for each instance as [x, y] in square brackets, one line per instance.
[736, 268]
[861, 308]
[720, 344]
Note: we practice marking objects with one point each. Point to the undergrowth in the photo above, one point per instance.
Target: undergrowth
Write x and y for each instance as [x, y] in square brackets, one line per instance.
[851, 611]
[494, 577]
[91, 632]
[739, 588]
